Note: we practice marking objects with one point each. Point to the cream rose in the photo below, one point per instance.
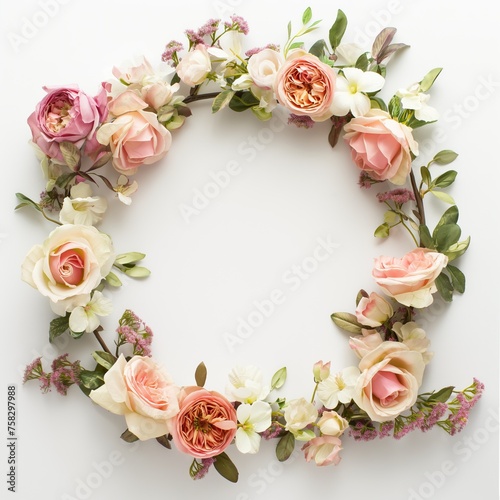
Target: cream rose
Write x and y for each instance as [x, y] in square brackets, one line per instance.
[305, 86]
[373, 310]
[411, 278]
[264, 66]
[142, 392]
[381, 146]
[299, 413]
[390, 378]
[194, 66]
[69, 264]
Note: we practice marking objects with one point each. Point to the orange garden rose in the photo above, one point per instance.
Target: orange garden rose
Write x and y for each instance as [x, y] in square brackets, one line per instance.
[205, 424]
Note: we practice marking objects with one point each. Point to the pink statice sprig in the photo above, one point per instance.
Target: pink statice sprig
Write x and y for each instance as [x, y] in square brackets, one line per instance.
[134, 332]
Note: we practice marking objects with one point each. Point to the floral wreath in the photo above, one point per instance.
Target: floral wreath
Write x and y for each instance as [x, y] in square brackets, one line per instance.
[127, 125]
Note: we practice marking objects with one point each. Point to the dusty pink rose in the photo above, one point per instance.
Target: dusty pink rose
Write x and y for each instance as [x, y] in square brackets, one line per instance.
[381, 146]
[324, 450]
[411, 278]
[66, 114]
[373, 310]
[390, 377]
[135, 136]
[205, 424]
[141, 391]
[69, 265]
[305, 86]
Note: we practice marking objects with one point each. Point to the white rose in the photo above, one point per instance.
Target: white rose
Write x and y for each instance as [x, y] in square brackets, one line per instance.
[332, 424]
[300, 413]
[263, 67]
[81, 207]
[194, 66]
[68, 265]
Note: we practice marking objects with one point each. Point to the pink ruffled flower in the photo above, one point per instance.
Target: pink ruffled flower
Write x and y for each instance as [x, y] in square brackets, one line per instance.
[324, 450]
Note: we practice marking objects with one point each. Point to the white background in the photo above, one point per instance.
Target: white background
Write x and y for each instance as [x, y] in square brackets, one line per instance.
[207, 273]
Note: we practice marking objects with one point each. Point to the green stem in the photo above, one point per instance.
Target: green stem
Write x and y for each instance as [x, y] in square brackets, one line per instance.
[418, 199]
[49, 219]
[411, 233]
[101, 341]
[314, 392]
[200, 97]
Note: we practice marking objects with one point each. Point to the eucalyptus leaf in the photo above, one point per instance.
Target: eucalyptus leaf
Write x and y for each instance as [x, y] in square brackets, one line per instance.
[285, 447]
[279, 378]
[457, 278]
[225, 467]
[337, 30]
[200, 374]
[429, 79]
[347, 322]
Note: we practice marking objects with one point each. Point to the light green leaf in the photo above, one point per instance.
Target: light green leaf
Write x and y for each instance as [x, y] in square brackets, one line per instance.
[129, 257]
[429, 79]
[445, 180]
[426, 175]
[307, 16]
[446, 235]
[222, 100]
[382, 231]
[337, 30]
[279, 378]
[113, 280]
[347, 322]
[443, 197]
[25, 202]
[444, 157]
[104, 359]
[138, 272]
[71, 154]
[457, 249]
[391, 217]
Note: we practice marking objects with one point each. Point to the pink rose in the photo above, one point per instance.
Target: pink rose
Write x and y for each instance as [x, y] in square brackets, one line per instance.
[381, 146]
[66, 114]
[410, 279]
[305, 86]
[69, 265]
[390, 377]
[373, 310]
[135, 136]
[205, 424]
[324, 450]
[141, 391]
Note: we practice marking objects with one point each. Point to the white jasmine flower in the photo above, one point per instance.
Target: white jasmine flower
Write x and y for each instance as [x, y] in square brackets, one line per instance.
[246, 385]
[338, 387]
[252, 418]
[412, 98]
[85, 318]
[81, 207]
[350, 91]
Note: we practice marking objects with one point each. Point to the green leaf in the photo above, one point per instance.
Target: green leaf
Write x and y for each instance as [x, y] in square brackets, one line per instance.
[446, 235]
[444, 287]
[105, 359]
[222, 100]
[58, 326]
[378, 103]
[457, 278]
[444, 157]
[285, 447]
[318, 49]
[242, 101]
[446, 179]
[362, 62]
[429, 79]
[391, 217]
[337, 30]
[175, 79]
[442, 395]
[26, 202]
[200, 374]
[76, 335]
[279, 378]
[71, 154]
[129, 437]
[390, 50]
[91, 379]
[64, 179]
[289, 29]
[425, 237]
[307, 16]
[440, 195]
[449, 217]
[164, 441]
[457, 249]
[129, 257]
[138, 272]
[382, 231]
[225, 467]
[394, 106]
[347, 322]
[426, 175]
[113, 280]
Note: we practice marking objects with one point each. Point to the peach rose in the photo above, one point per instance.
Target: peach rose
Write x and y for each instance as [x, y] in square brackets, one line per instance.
[135, 136]
[373, 310]
[69, 264]
[381, 146]
[143, 392]
[206, 423]
[264, 66]
[324, 450]
[410, 279]
[390, 378]
[305, 86]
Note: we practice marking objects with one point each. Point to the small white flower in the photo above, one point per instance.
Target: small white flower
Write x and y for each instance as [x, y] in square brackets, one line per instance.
[350, 91]
[252, 419]
[347, 54]
[414, 337]
[338, 387]
[246, 385]
[85, 318]
[412, 98]
[124, 189]
[81, 207]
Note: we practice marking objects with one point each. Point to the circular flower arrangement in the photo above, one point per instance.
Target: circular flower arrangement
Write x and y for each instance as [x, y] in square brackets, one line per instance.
[129, 124]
